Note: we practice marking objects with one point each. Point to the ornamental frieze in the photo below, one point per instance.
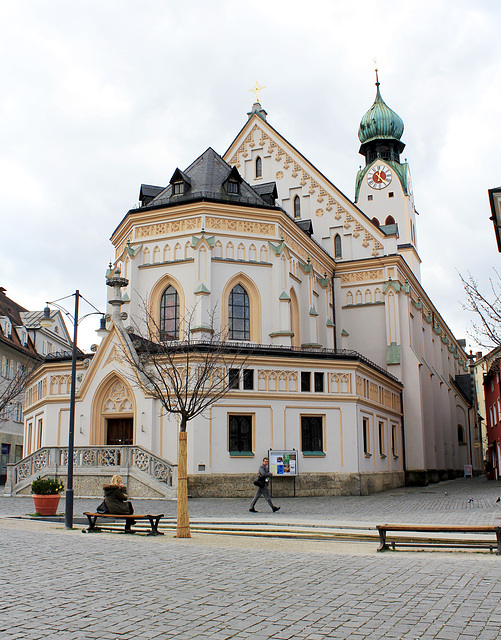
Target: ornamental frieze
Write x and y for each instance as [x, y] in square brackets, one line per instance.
[166, 228]
[240, 226]
[362, 276]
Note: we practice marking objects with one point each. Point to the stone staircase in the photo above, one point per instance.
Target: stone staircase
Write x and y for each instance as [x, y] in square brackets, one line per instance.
[145, 474]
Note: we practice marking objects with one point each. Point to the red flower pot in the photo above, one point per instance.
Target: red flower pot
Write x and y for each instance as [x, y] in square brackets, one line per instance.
[46, 505]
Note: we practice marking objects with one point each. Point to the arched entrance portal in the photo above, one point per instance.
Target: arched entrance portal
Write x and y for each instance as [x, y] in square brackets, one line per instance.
[113, 413]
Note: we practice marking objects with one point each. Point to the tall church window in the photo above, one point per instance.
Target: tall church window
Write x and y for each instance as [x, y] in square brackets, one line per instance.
[259, 167]
[390, 220]
[169, 315]
[338, 252]
[239, 314]
[297, 207]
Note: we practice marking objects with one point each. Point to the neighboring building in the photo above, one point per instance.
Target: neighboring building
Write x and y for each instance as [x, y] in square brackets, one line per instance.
[495, 203]
[17, 354]
[492, 392]
[48, 341]
[480, 365]
[323, 293]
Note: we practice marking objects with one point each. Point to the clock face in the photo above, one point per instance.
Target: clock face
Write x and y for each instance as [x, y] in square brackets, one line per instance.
[379, 176]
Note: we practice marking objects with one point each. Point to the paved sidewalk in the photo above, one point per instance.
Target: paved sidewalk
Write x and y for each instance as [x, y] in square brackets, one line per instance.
[461, 501]
[65, 585]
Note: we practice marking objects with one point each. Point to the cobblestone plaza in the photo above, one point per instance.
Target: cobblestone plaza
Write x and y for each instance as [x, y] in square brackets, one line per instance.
[63, 584]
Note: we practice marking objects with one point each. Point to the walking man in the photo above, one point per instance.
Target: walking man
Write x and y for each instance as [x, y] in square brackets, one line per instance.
[263, 478]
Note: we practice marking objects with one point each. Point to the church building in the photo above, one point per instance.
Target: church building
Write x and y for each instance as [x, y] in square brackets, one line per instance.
[350, 364]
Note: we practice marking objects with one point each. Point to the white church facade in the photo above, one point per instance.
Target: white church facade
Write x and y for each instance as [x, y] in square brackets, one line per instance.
[350, 363]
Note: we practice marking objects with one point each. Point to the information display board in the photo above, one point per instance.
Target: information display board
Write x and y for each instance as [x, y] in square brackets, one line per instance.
[283, 463]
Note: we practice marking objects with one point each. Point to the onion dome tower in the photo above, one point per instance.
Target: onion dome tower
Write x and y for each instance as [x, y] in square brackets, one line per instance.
[380, 131]
[383, 188]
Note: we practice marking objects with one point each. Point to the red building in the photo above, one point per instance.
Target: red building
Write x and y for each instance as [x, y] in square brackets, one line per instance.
[492, 394]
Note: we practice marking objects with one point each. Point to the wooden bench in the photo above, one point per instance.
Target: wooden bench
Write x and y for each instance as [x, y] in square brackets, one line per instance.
[417, 528]
[92, 518]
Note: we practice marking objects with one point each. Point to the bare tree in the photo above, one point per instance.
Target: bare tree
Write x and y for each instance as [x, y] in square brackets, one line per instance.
[487, 307]
[187, 376]
[12, 389]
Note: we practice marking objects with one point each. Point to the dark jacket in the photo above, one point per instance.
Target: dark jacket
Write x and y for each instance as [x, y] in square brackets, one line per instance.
[115, 498]
[264, 473]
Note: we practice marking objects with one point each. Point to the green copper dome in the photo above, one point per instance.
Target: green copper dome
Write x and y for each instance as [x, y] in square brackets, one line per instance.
[380, 122]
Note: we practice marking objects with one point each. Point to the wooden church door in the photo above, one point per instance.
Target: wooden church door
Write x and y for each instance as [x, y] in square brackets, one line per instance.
[120, 431]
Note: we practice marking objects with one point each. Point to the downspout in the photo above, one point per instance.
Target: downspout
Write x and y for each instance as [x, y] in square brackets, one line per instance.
[334, 312]
[404, 457]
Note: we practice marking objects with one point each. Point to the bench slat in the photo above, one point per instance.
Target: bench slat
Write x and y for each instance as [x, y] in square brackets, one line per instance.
[384, 528]
[153, 520]
[439, 528]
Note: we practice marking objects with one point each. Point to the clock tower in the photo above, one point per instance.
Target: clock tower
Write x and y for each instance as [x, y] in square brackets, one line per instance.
[383, 189]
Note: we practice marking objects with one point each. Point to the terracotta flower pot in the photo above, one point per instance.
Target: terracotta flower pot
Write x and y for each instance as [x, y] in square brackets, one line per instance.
[46, 505]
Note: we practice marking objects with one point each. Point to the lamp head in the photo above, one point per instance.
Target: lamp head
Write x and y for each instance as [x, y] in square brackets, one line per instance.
[102, 332]
[46, 320]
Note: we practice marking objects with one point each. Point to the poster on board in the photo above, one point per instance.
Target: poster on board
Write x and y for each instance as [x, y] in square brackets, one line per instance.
[283, 463]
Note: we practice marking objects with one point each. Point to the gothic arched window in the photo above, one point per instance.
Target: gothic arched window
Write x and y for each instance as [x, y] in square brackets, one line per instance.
[390, 220]
[375, 222]
[338, 253]
[169, 314]
[259, 167]
[239, 314]
[297, 207]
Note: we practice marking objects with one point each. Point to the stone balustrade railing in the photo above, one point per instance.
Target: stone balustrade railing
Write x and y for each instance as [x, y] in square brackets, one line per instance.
[54, 461]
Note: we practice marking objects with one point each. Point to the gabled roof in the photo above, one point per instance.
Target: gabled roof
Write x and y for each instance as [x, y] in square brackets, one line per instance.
[207, 177]
[261, 123]
[12, 310]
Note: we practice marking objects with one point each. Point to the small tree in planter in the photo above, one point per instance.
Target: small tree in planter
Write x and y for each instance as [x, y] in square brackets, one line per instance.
[46, 495]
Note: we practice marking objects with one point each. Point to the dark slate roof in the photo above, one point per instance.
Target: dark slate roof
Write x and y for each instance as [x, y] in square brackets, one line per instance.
[267, 191]
[306, 226]
[13, 311]
[463, 382]
[148, 192]
[206, 179]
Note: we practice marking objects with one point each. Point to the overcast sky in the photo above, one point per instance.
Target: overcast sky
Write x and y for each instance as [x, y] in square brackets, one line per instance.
[100, 96]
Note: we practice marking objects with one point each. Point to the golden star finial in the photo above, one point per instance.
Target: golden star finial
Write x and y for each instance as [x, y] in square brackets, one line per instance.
[256, 90]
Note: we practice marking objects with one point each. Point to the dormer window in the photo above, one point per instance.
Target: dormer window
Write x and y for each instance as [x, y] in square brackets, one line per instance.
[6, 326]
[232, 186]
[180, 183]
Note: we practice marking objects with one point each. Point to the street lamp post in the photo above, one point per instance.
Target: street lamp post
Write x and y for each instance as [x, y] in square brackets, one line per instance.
[47, 322]
[68, 512]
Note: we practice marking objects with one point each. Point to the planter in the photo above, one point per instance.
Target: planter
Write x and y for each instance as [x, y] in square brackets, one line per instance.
[46, 505]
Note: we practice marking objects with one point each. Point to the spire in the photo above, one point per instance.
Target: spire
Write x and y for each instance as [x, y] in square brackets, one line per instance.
[256, 107]
[380, 130]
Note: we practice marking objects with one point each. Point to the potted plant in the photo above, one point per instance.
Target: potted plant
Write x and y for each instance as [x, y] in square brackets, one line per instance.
[46, 495]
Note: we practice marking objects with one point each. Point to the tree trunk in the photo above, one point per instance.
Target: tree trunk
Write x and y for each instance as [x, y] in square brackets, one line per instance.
[183, 518]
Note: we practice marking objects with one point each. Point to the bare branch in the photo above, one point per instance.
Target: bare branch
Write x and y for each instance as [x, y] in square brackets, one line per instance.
[187, 376]
[12, 389]
[487, 307]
